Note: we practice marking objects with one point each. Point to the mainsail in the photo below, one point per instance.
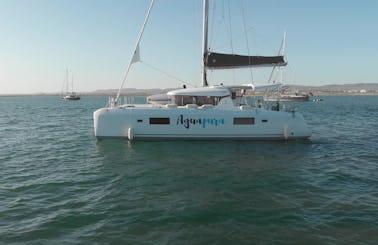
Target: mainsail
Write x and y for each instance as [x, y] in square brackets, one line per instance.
[228, 61]
[212, 60]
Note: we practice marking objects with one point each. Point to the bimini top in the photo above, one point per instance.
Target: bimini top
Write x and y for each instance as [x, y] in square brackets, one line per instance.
[216, 91]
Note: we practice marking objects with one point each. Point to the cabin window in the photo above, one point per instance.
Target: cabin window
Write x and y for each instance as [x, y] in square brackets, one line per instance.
[244, 120]
[203, 100]
[159, 120]
[139, 120]
[264, 120]
[182, 100]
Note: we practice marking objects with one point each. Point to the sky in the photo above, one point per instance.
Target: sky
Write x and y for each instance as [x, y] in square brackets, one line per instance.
[327, 42]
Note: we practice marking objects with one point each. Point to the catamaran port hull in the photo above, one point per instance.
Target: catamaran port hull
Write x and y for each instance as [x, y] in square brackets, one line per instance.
[150, 122]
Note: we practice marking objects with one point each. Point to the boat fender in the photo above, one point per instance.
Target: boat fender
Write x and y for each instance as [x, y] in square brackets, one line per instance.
[286, 131]
[130, 134]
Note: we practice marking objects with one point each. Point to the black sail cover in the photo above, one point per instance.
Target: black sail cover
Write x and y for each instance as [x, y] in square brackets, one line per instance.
[228, 61]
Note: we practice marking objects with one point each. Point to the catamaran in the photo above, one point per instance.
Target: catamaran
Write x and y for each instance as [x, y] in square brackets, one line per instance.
[209, 112]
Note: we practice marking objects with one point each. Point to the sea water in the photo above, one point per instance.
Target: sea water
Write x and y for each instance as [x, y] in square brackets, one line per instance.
[60, 185]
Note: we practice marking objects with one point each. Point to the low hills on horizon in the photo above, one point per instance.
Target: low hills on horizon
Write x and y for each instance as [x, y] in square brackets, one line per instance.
[330, 89]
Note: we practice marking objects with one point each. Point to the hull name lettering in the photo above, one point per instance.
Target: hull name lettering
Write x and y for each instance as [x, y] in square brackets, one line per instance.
[187, 121]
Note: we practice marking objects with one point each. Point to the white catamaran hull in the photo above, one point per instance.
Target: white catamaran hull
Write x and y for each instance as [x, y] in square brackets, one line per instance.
[149, 122]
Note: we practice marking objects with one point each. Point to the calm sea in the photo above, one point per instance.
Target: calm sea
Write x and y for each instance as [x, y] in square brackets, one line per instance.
[59, 185]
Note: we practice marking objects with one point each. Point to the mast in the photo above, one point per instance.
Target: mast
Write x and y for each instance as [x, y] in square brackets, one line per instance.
[204, 42]
[67, 81]
[283, 45]
[72, 88]
[281, 53]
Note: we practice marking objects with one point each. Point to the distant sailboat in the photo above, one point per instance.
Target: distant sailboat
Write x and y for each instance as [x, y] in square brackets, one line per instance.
[278, 93]
[289, 97]
[69, 95]
[282, 96]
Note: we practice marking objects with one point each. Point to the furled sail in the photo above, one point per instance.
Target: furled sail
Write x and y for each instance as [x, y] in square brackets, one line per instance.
[228, 61]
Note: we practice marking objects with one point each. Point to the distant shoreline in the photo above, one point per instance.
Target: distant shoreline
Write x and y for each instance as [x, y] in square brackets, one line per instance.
[148, 94]
[369, 89]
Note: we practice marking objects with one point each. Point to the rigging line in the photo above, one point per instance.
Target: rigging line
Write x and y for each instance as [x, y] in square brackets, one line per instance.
[212, 22]
[223, 22]
[231, 37]
[136, 49]
[246, 38]
[230, 26]
[165, 73]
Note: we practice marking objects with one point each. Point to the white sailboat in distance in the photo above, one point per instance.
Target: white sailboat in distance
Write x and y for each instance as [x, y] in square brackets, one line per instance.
[69, 95]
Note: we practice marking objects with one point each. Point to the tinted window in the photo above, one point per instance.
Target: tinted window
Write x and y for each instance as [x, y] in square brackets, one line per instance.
[159, 120]
[244, 120]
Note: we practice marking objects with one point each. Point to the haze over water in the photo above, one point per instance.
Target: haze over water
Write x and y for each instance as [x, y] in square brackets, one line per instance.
[58, 184]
